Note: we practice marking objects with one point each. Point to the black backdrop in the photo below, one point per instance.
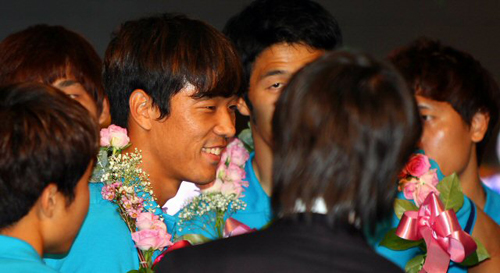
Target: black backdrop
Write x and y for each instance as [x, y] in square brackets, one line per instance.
[374, 26]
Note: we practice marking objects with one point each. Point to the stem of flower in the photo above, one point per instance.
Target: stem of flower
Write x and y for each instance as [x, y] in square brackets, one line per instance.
[124, 216]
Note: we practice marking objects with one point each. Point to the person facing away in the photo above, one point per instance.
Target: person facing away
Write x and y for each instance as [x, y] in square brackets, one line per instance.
[343, 128]
[274, 39]
[458, 103]
[47, 153]
[59, 57]
[173, 83]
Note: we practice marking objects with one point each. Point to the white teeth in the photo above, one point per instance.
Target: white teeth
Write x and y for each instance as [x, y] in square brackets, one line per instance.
[215, 151]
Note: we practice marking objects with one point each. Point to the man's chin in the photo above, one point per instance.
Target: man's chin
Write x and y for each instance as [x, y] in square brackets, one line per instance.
[205, 185]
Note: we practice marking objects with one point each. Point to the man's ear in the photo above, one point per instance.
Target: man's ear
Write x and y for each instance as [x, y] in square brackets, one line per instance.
[105, 117]
[479, 126]
[243, 107]
[49, 201]
[141, 110]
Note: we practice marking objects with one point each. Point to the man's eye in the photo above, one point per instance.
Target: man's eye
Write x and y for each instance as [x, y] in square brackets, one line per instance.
[233, 107]
[425, 117]
[277, 85]
[211, 107]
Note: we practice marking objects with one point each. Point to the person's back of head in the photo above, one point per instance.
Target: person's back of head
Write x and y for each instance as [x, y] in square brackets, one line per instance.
[265, 23]
[49, 54]
[48, 144]
[445, 74]
[163, 54]
[343, 128]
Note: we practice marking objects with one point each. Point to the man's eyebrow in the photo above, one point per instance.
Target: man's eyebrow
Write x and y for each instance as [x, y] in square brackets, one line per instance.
[424, 106]
[66, 83]
[273, 73]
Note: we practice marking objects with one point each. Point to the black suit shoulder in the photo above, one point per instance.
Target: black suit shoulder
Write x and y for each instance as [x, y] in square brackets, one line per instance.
[283, 247]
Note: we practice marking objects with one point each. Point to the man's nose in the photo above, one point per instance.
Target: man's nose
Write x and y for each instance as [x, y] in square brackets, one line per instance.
[225, 124]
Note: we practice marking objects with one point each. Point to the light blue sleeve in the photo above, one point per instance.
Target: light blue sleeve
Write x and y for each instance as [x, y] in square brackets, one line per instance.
[104, 243]
[258, 213]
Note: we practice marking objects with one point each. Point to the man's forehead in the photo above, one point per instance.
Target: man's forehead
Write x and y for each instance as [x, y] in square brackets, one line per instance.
[283, 59]
[425, 103]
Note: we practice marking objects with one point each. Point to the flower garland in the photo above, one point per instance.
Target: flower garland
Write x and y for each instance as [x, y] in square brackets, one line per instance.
[211, 210]
[430, 222]
[128, 186]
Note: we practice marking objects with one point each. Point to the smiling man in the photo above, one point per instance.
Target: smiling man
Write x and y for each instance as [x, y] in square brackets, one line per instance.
[274, 39]
[173, 83]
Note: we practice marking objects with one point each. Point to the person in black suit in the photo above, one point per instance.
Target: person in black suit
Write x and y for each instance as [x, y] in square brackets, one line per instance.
[343, 127]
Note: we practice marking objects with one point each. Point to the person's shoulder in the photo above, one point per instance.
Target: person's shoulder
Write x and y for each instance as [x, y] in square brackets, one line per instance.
[492, 205]
[212, 256]
[24, 266]
[104, 242]
[95, 198]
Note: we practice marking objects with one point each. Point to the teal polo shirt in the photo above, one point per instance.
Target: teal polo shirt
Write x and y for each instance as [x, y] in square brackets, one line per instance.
[18, 256]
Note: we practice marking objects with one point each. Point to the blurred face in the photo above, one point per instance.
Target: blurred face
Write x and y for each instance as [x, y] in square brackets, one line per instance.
[76, 91]
[446, 137]
[70, 216]
[190, 140]
[271, 72]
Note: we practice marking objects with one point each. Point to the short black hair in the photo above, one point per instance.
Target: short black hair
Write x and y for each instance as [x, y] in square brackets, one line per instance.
[48, 53]
[343, 128]
[445, 74]
[265, 23]
[46, 138]
[160, 55]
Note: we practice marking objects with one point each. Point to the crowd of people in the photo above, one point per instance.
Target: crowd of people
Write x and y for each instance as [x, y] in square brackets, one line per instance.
[313, 185]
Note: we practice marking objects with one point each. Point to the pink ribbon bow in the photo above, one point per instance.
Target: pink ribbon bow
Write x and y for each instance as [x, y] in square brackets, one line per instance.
[234, 227]
[441, 231]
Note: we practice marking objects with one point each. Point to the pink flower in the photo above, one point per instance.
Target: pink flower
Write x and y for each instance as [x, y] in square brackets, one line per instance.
[133, 212]
[419, 164]
[126, 203]
[108, 192]
[151, 238]
[114, 136]
[229, 188]
[417, 189]
[403, 173]
[223, 158]
[148, 220]
[215, 187]
[234, 173]
[237, 153]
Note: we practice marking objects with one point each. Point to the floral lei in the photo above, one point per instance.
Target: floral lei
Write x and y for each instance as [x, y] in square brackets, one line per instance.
[430, 223]
[211, 211]
[128, 186]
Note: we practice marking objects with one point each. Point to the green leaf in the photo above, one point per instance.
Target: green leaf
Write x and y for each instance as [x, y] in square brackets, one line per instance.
[415, 265]
[477, 256]
[133, 271]
[451, 193]
[194, 239]
[246, 137]
[400, 206]
[392, 241]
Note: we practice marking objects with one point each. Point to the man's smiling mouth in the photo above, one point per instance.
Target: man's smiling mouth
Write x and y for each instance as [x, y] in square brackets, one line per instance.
[214, 151]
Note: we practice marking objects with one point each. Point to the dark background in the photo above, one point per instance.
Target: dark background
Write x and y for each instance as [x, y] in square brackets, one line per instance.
[372, 26]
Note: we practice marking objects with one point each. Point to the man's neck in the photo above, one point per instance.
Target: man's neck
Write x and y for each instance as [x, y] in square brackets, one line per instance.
[471, 183]
[263, 163]
[164, 187]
